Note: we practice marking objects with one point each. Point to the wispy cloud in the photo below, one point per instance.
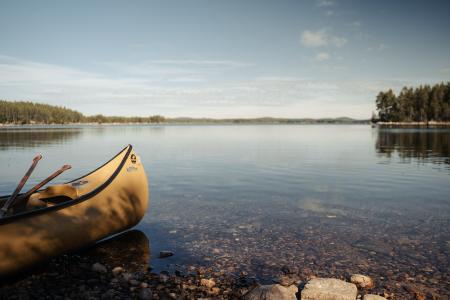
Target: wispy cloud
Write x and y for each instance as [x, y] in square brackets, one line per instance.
[379, 47]
[122, 94]
[322, 56]
[325, 3]
[320, 38]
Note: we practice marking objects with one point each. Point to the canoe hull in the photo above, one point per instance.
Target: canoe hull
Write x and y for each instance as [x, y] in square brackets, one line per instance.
[118, 206]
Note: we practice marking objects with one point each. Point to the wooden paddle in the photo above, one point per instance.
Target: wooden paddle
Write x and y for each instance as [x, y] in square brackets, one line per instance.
[41, 184]
[22, 182]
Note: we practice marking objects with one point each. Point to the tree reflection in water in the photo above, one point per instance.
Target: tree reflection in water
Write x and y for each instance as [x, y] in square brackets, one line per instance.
[30, 138]
[432, 145]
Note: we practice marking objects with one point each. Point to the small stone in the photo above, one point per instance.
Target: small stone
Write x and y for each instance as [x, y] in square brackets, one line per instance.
[117, 270]
[207, 282]
[127, 276]
[215, 291]
[163, 278]
[373, 297]
[287, 280]
[419, 295]
[329, 289]
[362, 281]
[164, 254]
[97, 267]
[272, 292]
[134, 282]
[145, 294]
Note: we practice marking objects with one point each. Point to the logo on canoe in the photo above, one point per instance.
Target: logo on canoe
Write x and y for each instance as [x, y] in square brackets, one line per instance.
[131, 169]
[133, 158]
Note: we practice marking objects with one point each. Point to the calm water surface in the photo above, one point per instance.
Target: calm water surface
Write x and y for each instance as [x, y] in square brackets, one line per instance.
[325, 199]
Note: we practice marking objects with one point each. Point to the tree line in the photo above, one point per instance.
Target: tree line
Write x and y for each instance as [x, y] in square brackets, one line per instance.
[422, 104]
[22, 112]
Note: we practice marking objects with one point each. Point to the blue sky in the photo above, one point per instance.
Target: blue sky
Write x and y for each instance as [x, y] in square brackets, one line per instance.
[314, 58]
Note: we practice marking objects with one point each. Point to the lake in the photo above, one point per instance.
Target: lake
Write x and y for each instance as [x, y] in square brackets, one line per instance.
[327, 200]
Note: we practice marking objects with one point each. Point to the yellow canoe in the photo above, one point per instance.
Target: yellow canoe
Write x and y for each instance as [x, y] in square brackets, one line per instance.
[106, 201]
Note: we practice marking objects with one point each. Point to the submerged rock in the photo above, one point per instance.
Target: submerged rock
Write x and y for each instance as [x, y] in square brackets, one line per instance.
[164, 254]
[329, 289]
[272, 292]
[362, 281]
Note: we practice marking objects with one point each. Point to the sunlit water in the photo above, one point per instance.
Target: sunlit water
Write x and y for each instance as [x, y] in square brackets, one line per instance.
[326, 199]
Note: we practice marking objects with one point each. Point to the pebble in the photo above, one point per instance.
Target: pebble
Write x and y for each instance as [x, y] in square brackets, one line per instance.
[362, 281]
[287, 280]
[164, 254]
[207, 282]
[145, 294]
[117, 270]
[163, 278]
[215, 291]
[127, 276]
[98, 267]
[134, 282]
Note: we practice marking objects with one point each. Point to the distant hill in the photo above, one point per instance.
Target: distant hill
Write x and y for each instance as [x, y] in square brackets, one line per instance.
[267, 120]
[22, 112]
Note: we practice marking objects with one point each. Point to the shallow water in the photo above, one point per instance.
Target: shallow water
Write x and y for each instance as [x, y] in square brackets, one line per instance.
[325, 199]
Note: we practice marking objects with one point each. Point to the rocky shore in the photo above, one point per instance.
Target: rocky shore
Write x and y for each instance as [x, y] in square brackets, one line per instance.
[81, 276]
[76, 277]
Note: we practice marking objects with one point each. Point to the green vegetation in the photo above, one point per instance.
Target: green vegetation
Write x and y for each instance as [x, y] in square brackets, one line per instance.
[422, 104]
[29, 113]
[21, 112]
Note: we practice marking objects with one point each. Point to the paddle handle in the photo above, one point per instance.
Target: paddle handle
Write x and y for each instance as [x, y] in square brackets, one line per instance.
[19, 187]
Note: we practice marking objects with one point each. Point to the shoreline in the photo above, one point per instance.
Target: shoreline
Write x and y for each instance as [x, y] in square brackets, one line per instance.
[174, 123]
[120, 268]
[78, 276]
[419, 124]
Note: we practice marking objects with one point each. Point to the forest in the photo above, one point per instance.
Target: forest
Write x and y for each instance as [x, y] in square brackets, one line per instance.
[421, 104]
[22, 112]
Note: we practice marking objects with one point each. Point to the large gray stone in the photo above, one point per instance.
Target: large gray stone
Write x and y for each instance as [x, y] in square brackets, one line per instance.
[373, 297]
[329, 289]
[272, 292]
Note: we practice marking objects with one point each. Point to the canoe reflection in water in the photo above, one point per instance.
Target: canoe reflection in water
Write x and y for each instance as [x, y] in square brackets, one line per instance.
[130, 250]
[73, 275]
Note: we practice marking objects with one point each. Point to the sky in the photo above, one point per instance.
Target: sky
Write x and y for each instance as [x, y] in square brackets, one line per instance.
[220, 59]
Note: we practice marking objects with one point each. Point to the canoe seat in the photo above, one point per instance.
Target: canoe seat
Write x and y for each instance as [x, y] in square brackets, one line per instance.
[57, 191]
[52, 195]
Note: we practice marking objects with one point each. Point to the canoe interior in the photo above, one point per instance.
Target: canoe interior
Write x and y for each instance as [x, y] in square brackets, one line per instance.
[54, 195]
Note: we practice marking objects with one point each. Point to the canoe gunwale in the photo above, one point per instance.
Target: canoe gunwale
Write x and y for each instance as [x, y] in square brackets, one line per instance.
[80, 199]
